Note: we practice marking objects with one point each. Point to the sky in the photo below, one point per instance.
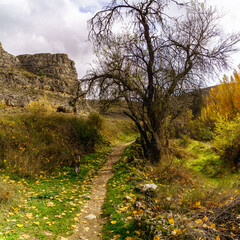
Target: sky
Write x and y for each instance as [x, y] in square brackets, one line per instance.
[60, 26]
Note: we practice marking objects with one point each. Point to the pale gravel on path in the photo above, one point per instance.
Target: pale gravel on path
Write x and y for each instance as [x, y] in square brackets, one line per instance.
[90, 229]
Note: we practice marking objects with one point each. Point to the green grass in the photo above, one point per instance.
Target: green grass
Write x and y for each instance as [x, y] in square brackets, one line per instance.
[117, 210]
[206, 160]
[119, 130]
[48, 206]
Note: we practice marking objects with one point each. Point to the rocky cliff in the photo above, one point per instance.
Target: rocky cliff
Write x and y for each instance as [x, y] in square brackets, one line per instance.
[27, 77]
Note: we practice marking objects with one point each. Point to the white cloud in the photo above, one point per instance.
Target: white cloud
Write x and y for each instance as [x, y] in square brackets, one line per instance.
[33, 26]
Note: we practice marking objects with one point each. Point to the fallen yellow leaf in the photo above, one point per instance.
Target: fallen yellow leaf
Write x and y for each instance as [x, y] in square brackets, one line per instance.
[211, 225]
[198, 222]
[171, 220]
[176, 232]
[113, 222]
[205, 218]
[157, 238]
[29, 215]
[50, 204]
[19, 225]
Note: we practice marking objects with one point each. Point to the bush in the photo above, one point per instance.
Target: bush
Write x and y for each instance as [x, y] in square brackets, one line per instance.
[40, 106]
[227, 140]
[31, 143]
[84, 135]
[200, 131]
[95, 120]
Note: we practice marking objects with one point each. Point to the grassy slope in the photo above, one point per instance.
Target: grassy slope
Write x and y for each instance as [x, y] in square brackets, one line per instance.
[40, 195]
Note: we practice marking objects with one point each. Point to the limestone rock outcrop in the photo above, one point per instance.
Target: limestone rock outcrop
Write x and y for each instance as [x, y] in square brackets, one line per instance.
[27, 77]
[7, 60]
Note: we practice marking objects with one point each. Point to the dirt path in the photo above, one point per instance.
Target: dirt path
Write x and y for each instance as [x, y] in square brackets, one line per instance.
[90, 229]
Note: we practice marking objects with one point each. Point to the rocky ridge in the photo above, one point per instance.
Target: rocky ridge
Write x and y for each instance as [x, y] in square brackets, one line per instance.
[27, 77]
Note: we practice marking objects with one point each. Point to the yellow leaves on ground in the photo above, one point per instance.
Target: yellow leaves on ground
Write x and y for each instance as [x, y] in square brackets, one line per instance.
[205, 219]
[36, 223]
[113, 222]
[218, 238]
[171, 221]
[197, 205]
[176, 232]
[50, 204]
[86, 229]
[29, 215]
[157, 238]
[14, 209]
[19, 225]
[198, 222]
[50, 223]
[11, 220]
[211, 225]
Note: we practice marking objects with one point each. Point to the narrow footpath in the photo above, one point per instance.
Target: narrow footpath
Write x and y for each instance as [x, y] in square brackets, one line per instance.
[90, 228]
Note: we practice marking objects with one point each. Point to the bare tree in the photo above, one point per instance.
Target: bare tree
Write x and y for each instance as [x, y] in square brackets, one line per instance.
[155, 58]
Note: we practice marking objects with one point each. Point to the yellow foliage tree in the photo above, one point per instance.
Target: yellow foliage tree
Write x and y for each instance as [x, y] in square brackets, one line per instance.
[224, 99]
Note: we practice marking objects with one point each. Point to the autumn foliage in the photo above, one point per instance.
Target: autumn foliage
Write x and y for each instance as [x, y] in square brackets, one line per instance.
[224, 99]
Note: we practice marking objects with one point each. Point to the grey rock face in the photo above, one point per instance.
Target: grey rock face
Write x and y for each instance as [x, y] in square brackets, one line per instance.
[6, 59]
[51, 65]
[27, 77]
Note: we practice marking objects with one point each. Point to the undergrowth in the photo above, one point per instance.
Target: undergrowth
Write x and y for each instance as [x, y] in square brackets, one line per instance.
[31, 143]
[184, 206]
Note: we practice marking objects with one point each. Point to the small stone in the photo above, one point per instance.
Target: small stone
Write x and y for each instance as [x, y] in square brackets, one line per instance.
[149, 186]
[90, 217]
[127, 198]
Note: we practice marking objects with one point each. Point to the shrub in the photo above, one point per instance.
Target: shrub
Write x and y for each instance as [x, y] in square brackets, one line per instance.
[200, 131]
[227, 140]
[31, 143]
[84, 135]
[95, 120]
[40, 106]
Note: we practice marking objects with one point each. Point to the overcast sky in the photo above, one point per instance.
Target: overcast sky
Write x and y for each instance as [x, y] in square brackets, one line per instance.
[60, 26]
